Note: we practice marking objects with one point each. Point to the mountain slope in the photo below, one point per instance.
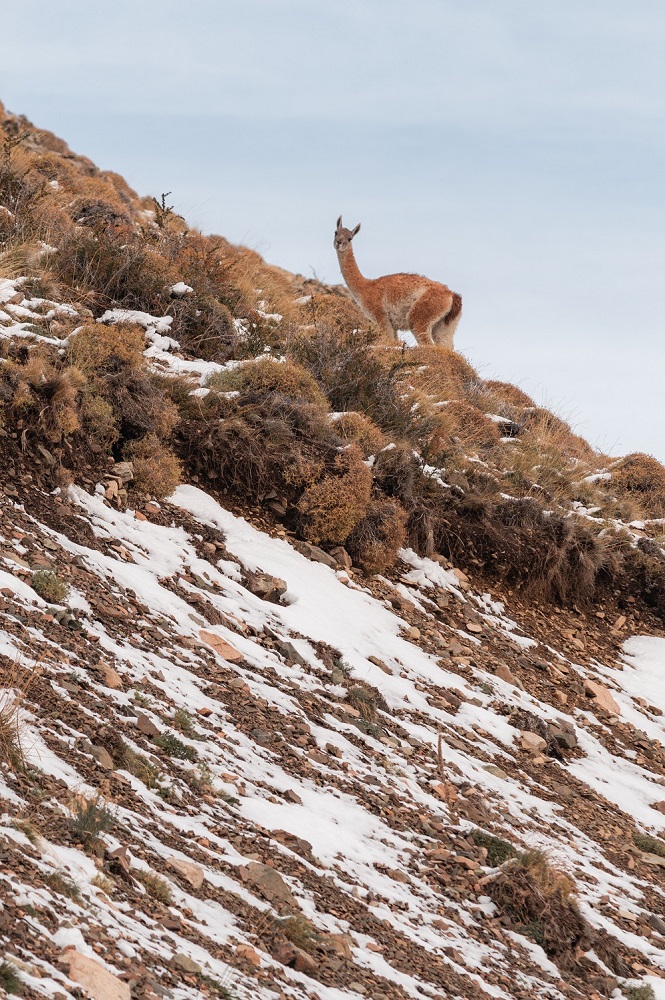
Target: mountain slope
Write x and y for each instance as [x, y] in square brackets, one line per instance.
[239, 762]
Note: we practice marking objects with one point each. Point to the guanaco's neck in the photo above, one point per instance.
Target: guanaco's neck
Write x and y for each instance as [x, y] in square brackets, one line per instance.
[355, 282]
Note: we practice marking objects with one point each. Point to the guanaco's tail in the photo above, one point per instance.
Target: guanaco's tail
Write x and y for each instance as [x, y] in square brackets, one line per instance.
[454, 310]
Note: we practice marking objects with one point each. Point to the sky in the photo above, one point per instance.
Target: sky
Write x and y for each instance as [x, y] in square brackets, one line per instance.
[514, 151]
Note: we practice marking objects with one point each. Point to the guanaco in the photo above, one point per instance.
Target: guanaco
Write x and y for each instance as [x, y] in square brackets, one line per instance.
[400, 301]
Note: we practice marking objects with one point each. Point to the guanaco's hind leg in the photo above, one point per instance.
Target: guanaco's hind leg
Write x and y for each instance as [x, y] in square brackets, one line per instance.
[443, 330]
[426, 312]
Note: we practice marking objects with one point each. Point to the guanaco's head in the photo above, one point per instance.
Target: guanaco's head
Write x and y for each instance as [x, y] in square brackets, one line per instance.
[343, 236]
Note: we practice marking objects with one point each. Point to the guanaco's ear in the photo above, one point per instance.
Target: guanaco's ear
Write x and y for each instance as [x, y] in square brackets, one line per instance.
[354, 231]
[339, 222]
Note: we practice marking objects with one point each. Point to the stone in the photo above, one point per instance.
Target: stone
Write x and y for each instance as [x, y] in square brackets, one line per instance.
[146, 725]
[341, 557]
[653, 859]
[103, 757]
[314, 553]
[246, 953]
[412, 632]
[124, 471]
[659, 807]
[657, 923]
[191, 872]
[99, 983]
[532, 742]
[269, 883]
[602, 697]
[563, 733]
[223, 649]
[504, 673]
[473, 627]
[290, 653]
[268, 588]
[185, 963]
[109, 677]
[497, 771]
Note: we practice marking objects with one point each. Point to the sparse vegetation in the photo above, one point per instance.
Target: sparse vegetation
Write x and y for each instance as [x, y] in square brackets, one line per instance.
[299, 931]
[50, 586]
[14, 683]
[10, 980]
[498, 850]
[643, 992]
[62, 884]
[538, 899]
[90, 818]
[173, 747]
[650, 845]
[157, 887]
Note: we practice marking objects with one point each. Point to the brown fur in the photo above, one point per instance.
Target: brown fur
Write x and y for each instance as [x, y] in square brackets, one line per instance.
[430, 310]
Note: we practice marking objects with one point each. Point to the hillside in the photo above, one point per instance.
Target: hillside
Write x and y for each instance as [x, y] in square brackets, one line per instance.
[329, 668]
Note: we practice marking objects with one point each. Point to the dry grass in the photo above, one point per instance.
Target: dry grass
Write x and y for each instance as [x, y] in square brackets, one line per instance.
[15, 682]
[332, 507]
[266, 376]
[440, 373]
[356, 427]
[538, 899]
[155, 886]
[157, 471]
[459, 424]
[98, 349]
[376, 539]
[641, 478]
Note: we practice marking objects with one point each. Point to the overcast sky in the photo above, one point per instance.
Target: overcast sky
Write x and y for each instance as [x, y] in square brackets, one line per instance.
[513, 150]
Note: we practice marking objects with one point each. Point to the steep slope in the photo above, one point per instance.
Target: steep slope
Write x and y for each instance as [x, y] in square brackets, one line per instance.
[237, 764]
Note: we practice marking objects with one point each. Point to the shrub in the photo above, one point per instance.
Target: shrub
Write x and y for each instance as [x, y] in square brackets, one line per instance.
[461, 424]
[376, 539]
[299, 931]
[173, 747]
[538, 901]
[359, 429]
[155, 886]
[99, 349]
[642, 477]
[498, 850]
[331, 508]
[441, 373]
[266, 376]
[50, 586]
[43, 395]
[367, 700]
[9, 979]
[157, 471]
[651, 845]
[251, 447]
[333, 311]
[643, 992]
[90, 819]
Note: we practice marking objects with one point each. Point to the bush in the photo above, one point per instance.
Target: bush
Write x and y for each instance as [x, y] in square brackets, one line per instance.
[157, 470]
[155, 886]
[100, 349]
[43, 395]
[266, 376]
[9, 979]
[508, 394]
[90, 819]
[460, 425]
[651, 845]
[359, 429]
[498, 850]
[50, 586]
[251, 447]
[439, 372]
[173, 747]
[538, 901]
[642, 477]
[376, 539]
[331, 508]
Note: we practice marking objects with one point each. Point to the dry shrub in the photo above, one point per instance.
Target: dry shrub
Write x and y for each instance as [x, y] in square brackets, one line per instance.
[376, 539]
[204, 327]
[331, 508]
[337, 312]
[157, 470]
[355, 375]
[552, 432]
[538, 901]
[461, 424]
[509, 394]
[439, 372]
[642, 478]
[45, 397]
[552, 556]
[14, 685]
[252, 447]
[97, 348]
[357, 428]
[266, 376]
